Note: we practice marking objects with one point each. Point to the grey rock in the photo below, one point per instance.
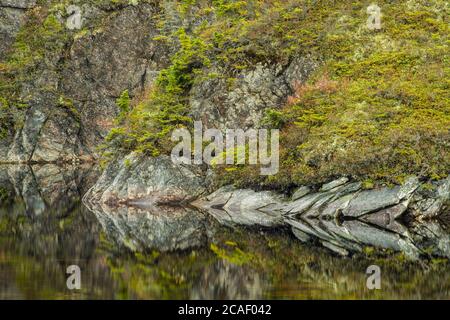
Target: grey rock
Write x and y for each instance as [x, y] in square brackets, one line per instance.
[26, 138]
[243, 105]
[11, 18]
[18, 4]
[146, 180]
[383, 239]
[386, 218]
[372, 200]
[432, 237]
[431, 203]
[242, 207]
[115, 53]
[333, 184]
[47, 186]
[301, 192]
[303, 204]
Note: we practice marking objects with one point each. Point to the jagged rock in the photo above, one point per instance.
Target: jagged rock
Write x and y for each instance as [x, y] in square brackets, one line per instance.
[47, 186]
[317, 215]
[432, 237]
[379, 238]
[373, 200]
[300, 192]
[255, 90]
[242, 207]
[26, 138]
[147, 180]
[333, 184]
[303, 204]
[386, 218]
[431, 203]
[115, 53]
[11, 14]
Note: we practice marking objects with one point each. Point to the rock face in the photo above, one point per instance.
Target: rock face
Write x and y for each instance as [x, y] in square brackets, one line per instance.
[71, 97]
[11, 14]
[147, 181]
[242, 106]
[47, 187]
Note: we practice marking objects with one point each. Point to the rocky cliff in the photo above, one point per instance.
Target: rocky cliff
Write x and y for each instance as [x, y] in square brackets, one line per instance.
[110, 80]
[67, 87]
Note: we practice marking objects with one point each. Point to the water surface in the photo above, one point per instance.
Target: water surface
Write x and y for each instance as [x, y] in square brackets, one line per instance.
[180, 253]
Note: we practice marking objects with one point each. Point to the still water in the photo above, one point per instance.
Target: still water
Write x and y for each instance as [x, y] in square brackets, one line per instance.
[180, 253]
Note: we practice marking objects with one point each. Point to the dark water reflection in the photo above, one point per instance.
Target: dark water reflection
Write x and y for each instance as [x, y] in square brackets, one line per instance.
[174, 253]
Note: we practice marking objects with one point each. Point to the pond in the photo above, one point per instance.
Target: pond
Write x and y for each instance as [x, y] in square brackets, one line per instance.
[182, 253]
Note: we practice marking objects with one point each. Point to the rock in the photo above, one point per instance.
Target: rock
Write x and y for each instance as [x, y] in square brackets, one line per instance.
[432, 236]
[114, 52]
[22, 148]
[334, 184]
[146, 180]
[382, 239]
[431, 203]
[407, 188]
[255, 90]
[375, 214]
[157, 228]
[335, 208]
[47, 186]
[18, 4]
[11, 19]
[242, 207]
[300, 192]
[386, 218]
[371, 200]
[303, 204]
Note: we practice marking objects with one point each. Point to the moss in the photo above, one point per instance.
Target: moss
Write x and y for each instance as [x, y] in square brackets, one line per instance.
[377, 110]
[147, 127]
[67, 104]
[40, 39]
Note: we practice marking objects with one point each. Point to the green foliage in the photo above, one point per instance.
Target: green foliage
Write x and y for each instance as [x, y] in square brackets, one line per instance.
[147, 127]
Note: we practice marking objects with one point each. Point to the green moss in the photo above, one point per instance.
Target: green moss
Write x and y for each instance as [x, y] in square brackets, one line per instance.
[377, 110]
[67, 104]
[147, 127]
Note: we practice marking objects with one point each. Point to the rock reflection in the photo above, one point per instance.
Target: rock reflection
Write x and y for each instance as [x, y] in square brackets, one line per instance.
[161, 228]
[181, 253]
[425, 237]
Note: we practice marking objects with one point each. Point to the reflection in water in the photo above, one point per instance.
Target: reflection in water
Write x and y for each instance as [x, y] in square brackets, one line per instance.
[170, 253]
